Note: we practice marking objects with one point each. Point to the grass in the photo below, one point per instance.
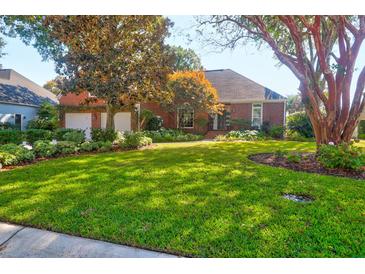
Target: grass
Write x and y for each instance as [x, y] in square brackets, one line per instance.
[200, 199]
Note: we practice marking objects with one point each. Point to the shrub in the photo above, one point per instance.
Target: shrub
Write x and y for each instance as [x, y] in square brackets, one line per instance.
[171, 135]
[280, 153]
[103, 135]
[89, 146]
[105, 146]
[7, 125]
[44, 149]
[245, 135]
[344, 155]
[362, 136]
[20, 153]
[11, 136]
[155, 123]
[76, 136]
[7, 159]
[248, 135]
[300, 123]
[293, 157]
[66, 147]
[135, 140]
[60, 133]
[47, 118]
[276, 132]
[295, 136]
[32, 135]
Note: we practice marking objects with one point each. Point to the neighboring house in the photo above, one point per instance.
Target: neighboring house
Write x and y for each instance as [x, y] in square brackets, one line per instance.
[244, 101]
[20, 98]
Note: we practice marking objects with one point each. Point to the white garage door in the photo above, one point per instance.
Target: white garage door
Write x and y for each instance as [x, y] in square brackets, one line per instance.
[79, 121]
[122, 121]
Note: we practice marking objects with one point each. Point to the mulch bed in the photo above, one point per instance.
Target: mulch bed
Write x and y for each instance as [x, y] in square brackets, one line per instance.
[307, 164]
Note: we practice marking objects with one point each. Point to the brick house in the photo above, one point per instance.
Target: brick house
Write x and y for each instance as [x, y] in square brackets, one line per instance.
[245, 102]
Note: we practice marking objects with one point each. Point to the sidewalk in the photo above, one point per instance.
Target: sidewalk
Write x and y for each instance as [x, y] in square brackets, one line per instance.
[25, 242]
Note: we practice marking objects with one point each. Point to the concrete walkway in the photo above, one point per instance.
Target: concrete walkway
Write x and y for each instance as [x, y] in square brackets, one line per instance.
[25, 242]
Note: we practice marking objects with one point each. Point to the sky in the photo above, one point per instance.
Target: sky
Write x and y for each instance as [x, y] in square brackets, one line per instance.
[256, 64]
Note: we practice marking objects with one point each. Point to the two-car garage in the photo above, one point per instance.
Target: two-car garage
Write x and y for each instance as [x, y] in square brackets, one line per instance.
[122, 121]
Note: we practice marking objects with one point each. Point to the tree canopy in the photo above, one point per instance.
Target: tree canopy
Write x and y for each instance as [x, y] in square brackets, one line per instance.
[120, 59]
[321, 51]
[191, 89]
[184, 59]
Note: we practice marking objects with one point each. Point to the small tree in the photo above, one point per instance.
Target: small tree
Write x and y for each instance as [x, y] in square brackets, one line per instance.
[191, 89]
[321, 51]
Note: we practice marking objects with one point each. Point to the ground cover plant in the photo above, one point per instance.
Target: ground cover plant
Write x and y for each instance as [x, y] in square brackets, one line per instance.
[202, 199]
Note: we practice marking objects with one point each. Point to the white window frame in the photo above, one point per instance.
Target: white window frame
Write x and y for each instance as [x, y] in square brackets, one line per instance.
[178, 115]
[261, 114]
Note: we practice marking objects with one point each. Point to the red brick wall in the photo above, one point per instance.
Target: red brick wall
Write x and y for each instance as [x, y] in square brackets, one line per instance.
[274, 113]
[170, 119]
[72, 99]
[241, 111]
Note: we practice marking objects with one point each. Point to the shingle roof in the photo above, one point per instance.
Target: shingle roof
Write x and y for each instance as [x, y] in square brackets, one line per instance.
[16, 89]
[234, 87]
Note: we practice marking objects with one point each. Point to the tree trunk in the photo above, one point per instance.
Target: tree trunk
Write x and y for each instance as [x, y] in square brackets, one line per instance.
[110, 113]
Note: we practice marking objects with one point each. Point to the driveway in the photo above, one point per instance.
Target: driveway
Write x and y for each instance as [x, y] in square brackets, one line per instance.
[25, 242]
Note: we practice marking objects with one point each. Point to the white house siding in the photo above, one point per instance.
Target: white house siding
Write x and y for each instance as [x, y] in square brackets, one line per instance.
[28, 113]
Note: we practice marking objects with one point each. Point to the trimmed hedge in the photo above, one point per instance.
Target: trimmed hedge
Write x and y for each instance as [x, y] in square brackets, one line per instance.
[171, 135]
[103, 135]
[33, 135]
[11, 136]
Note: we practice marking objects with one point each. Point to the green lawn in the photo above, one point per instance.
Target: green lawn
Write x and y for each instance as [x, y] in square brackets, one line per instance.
[201, 199]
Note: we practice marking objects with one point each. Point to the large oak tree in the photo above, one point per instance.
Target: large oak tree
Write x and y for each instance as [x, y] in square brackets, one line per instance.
[321, 51]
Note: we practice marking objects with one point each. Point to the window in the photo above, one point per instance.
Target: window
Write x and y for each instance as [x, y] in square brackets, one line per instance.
[256, 115]
[185, 118]
[18, 121]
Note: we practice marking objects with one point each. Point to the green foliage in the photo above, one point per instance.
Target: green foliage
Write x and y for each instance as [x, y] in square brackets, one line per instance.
[104, 135]
[145, 116]
[155, 123]
[280, 153]
[300, 123]
[32, 135]
[105, 146]
[244, 135]
[47, 118]
[89, 146]
[66, 147]
[11, 136]
[293, 157]
[272, 131]
[20, 153]
[295, 136]
[361, 128]
[135, 140]
[171, 135]
[227, 205]
[184, 59]
[44, 149]
[294, 104]
[77, 136]
[59, 133]
[362, 136]
[344, 155]
[7, 159]
[276, 132]
[7, 125]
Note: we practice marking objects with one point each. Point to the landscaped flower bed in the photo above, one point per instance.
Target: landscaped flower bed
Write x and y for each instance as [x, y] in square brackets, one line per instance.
[12, 155]
[306, 162]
